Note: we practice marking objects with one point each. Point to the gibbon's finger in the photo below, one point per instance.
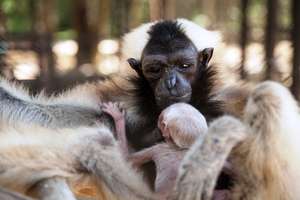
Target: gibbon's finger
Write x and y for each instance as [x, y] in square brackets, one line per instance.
[107, 111]
[120, 106]
[117, 104]
[111, 104]
[114, 106]
[123, 112]
[105, 106]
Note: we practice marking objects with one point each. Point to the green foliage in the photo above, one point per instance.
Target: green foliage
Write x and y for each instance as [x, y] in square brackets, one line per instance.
[66, 34]
[284, 15]
[20, 15]
[17, 14]
[64, 12]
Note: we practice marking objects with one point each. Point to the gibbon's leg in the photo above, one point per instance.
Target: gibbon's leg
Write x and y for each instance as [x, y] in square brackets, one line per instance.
[267, 162]
[203, 163]
[34, 156]
[55, 188]
[9, 195]
[109, 166]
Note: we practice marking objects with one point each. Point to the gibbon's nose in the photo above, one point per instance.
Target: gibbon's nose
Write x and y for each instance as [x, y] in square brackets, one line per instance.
[171, 81]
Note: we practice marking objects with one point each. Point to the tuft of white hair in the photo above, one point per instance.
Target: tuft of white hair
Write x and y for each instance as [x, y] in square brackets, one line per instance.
[135, 41]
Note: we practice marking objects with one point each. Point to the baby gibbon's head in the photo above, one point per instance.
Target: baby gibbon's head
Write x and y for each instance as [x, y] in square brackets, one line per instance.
[182, 124]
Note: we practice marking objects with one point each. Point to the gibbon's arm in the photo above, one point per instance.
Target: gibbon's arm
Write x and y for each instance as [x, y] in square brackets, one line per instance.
[141, 157]
[9, 195]
[271, 152]
[108, 165]
[118, 115]
[52, 188]
[70, 109]
[203, 163]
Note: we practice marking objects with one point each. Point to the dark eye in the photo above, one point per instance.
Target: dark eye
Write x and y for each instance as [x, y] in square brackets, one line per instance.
[153, 70]
[185, 65]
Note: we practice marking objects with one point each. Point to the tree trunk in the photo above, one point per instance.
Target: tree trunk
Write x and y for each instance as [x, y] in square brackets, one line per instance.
[104, 16]
[244, 35]
[44, 28]
[87, 35]
[296, 44]
[119, 17]
[208, 8]
[270, 39]
[135, 13]
[162, 9]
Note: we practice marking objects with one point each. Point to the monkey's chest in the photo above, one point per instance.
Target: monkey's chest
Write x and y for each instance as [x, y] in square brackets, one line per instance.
[166, 160]
[167, 165]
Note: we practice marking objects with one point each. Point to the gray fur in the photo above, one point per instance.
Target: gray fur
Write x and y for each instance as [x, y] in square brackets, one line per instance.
[14, 110]
[206, 159]
[110, 167]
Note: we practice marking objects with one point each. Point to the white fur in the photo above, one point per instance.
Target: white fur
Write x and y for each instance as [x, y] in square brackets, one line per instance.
[274, 118]
[88, 97]
[135, 41]
[29, 153]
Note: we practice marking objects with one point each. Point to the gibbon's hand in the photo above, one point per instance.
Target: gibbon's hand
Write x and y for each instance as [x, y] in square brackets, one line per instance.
[114, 109]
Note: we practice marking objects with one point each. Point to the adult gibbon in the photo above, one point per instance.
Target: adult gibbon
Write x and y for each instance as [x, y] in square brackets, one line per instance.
[171, 63]
[264, 165]
[172, 66]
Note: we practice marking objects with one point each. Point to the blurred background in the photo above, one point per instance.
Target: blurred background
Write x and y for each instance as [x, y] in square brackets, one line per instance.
[54, 44]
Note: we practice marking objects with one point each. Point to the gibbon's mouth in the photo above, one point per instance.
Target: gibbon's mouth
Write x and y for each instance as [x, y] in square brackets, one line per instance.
[164, 102]
[184, 96]
[224, 183]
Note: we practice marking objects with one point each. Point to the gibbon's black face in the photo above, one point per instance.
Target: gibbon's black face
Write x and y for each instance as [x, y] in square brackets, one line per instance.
[170, 63]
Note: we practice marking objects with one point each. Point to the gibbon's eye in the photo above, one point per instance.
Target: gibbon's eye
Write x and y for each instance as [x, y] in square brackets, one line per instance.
[185, 66]
[154, 70]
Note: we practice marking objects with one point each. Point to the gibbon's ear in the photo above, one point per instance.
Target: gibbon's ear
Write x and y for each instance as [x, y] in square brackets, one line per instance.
[205, 55]
[136, 65]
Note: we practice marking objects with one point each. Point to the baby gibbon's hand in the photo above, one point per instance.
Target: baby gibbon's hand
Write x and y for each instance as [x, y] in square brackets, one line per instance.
[114, 109]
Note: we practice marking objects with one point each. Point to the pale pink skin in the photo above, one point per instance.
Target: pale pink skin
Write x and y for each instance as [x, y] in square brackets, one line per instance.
[221, 195]
[162, 154]
[163, 128]
[118, 115]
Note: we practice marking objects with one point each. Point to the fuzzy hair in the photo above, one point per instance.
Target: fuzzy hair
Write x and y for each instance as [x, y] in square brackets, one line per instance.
[135, 41]
[267, 162]
[87, 98]
[79, 106]
[184, 123]
[206, 158]
[30, 153]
